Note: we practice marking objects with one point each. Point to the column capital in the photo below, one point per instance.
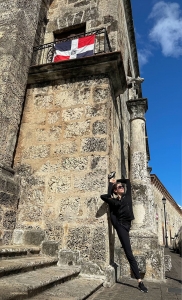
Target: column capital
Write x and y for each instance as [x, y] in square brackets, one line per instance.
[137, 108]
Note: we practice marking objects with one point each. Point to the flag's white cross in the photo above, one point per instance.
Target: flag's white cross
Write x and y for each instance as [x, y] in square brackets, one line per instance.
[72, 53]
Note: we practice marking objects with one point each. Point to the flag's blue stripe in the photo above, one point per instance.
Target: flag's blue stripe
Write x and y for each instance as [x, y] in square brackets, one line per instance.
[63, 46]
[86, 53]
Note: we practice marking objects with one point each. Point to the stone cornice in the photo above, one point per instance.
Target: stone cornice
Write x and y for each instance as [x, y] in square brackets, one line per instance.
[110, 64]
[158, 184]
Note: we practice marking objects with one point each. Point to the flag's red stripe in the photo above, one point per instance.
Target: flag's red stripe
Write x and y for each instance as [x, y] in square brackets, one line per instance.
[60, 57]
[86, 40]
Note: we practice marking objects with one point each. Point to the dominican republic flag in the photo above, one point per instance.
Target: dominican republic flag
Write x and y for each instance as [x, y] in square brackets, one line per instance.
[77, 48]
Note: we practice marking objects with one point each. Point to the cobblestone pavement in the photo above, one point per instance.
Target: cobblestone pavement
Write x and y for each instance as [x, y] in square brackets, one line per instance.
[126, 289]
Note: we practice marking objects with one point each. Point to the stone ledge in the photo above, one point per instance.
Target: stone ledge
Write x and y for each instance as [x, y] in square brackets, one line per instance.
[110, 64]
[79, 288]
[24, 264]
[30, 283]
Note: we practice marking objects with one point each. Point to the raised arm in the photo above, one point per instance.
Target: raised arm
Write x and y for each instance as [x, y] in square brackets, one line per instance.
[111, 201]
[108, 197]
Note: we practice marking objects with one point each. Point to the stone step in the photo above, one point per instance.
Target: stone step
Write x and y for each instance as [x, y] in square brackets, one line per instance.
[10, 251]
[25, 264]
[26, 285]
[77, 289]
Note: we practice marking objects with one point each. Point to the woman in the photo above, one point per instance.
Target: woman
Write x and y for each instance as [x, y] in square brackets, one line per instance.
[121, 216]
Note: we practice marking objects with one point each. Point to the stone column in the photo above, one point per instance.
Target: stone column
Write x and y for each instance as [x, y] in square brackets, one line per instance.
[138, 158]
[149, 255]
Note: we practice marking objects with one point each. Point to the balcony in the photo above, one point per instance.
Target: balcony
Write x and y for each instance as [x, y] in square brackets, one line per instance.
[103, 61]
[44, 54]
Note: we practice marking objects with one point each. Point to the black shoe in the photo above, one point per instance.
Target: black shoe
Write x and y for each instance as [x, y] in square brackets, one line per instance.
[142, 288]
[111, 175]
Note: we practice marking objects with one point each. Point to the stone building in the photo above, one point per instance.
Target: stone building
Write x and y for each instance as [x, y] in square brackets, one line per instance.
[171, 210]
[65, 125]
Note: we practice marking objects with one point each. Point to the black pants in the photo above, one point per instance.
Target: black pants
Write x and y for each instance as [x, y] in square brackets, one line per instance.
[123, 234]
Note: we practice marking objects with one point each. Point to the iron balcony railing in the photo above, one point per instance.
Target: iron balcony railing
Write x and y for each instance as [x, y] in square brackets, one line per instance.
[44, 54]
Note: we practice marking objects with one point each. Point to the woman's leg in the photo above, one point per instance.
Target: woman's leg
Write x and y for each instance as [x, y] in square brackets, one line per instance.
[123, 235]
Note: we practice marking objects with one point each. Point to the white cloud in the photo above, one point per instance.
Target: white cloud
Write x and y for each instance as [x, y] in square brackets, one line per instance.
[143, 56]
[167, 29]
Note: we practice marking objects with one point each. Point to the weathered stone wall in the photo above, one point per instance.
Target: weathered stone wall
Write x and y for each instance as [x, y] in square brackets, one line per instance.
[96, 14]
[19, 20]
[63, 157]
[9, 197]
[173, 216]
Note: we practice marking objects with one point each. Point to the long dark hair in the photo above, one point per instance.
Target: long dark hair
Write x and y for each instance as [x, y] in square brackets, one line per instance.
[114, 187]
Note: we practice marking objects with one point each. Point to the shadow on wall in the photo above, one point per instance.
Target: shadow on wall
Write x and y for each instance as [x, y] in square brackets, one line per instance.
[103, 209]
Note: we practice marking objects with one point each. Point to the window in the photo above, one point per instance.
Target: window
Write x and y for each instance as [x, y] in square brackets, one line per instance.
[70, 31]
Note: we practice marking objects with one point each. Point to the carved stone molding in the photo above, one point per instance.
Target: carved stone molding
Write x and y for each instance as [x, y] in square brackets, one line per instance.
[137, 108]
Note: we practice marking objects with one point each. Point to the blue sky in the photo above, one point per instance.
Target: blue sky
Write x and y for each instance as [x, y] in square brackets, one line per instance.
[158, 32]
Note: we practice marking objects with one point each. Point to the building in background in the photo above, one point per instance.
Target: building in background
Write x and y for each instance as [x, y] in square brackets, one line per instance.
[171, 214]
[66, 124]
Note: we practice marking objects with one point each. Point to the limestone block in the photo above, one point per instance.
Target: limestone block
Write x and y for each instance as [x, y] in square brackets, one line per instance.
[7, 237]
[68, 98]
[31, 214]
[96, 110]
[7, 199]
[99, 127]
[90, 268]
[92, 206]
[42, 90]
[59, 184]
[35, 152]
[93, 181]
[101, 94]
[77, 129]
[80, 238]
[94, 144]
[65, 148]
[98, 162]
[50, 167]
[53, 134]
[68, 257]
[50, 248]
[43, 101]
[33, 237]
[9, 220]
[54, 117]
[18, 236]
[32, 118]
[72, 113]
[54, 232]
[98, 250]
[75, 163]
[110, 279]
[69, 208]
[168, 263]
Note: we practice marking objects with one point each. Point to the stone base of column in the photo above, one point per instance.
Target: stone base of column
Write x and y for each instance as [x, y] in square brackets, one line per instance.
[149, 256]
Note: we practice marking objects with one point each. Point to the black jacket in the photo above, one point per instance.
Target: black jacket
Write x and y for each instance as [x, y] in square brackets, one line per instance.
[120, 209]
